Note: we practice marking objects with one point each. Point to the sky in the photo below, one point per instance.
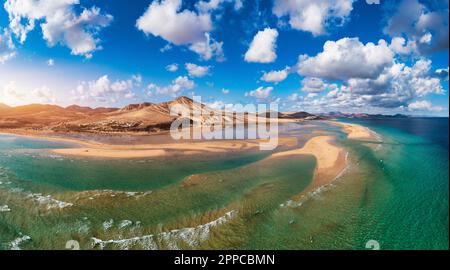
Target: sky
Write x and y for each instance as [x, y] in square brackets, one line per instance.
[370, 56]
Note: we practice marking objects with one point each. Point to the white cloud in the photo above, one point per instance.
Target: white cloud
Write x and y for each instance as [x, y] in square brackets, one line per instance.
[395, 88]
[262, 48]
[400, 46]
[103, 89]
[162, 19]
[15, 94]
[44, 95]
[174, 89]
[316, 85]
[165, 19]
[196, 70]
[211, 5]
[172, 67]
[50, 62]
[216, 105]
[426, 28]
[11, 95]
[313, 16]
[7, 48]
[260, 92]
[209, 48]
[166, 48]
[225, 91]
[294, 97]
[442, 73]
[276, 76]
[59, 22]
[347, 58]
[137, 80]
[424, 106]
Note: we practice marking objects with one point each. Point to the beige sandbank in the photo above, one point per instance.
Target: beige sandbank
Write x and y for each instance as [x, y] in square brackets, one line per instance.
[158, 150]
[354, 131]
[320, 147]
[331, 162]
[90, 148]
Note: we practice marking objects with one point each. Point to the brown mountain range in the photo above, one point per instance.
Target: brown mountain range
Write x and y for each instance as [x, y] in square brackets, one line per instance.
[146, 117]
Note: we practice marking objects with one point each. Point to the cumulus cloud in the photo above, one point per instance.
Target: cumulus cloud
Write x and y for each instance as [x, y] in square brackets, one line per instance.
[260, 93]
[400, 46]
[60, 23]
[424, 105]
[347, 58]
[7, 48]
[196, 70]
[211, 5]
[174, 89]
[105, 90]
[263, 47]
[209, 48]
[276, 76]
[216, 105]
[44, 95]
[165, 19]
[313, 16]
[172, 67]
[15, 94]
[424, 27]
[225, 91]
[316, 85]
[396, 87]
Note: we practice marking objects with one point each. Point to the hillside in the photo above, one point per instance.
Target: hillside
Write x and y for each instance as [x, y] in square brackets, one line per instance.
[142, 117]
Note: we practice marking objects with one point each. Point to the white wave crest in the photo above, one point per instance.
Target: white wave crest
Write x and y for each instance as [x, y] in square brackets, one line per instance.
[190, 236]
[15, 244]
[50, 202]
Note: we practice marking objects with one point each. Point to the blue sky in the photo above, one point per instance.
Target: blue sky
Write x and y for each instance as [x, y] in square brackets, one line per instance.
[107, 53]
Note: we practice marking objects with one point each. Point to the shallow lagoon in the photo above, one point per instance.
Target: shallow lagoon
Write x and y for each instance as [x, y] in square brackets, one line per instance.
[395, 192]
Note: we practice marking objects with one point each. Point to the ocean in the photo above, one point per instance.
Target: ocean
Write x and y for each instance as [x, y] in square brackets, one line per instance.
[394, 193]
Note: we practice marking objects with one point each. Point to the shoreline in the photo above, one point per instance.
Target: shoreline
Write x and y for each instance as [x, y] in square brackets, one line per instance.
[355, 131]
[319, 146]
[331, 161]
[94, 149]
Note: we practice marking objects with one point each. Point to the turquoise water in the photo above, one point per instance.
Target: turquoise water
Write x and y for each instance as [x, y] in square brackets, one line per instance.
[412, 211]
[43, 170]
[394, 191]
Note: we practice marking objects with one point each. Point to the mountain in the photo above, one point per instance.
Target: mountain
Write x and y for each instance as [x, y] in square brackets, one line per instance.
[362, 115]
[143, 117]
[41, 116]
[4, 106]
[89, 110]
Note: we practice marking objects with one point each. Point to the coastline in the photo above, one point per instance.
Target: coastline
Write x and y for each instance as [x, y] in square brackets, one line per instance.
[331, 161]
[355, 131]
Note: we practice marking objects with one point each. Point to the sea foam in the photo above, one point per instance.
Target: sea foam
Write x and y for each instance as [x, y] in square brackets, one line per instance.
[50, 202]
[189, 236]
[15, 244]
[4, 208]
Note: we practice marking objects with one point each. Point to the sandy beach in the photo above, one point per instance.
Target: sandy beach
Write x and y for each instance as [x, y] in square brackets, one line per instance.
[354, 131]
[168, 149]
[331, 161]
[320, 147]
